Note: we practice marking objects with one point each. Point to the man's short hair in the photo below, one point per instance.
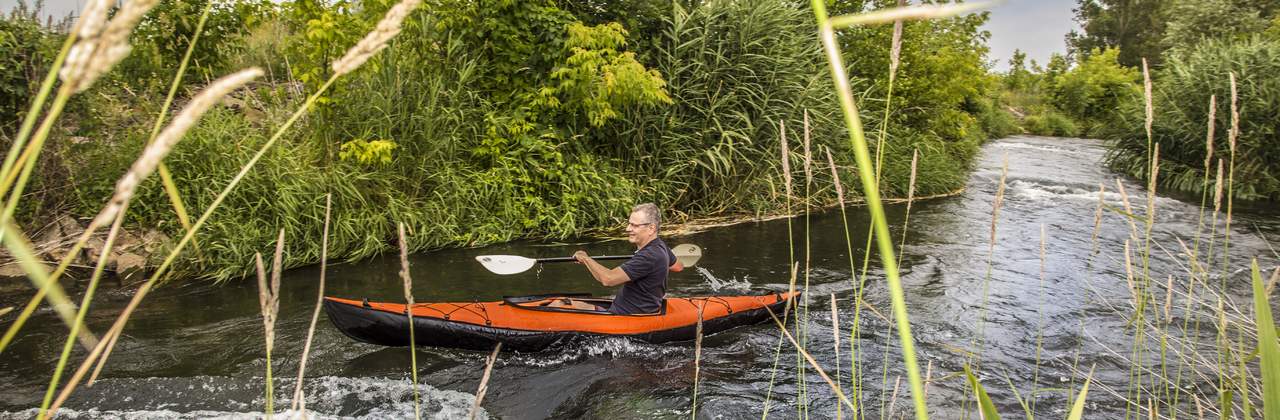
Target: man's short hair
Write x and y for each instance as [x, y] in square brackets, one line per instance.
[650, 212]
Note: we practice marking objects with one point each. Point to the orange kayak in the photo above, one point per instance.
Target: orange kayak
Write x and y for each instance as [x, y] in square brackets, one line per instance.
[533, 323]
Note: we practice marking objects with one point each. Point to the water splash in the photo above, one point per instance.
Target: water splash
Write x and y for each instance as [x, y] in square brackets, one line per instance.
[730, 284]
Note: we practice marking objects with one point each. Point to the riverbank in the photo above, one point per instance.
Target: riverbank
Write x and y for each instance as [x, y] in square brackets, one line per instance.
[137, 251]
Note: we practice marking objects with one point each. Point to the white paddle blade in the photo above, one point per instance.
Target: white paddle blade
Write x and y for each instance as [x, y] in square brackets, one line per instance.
[687, 254]
[506, 264]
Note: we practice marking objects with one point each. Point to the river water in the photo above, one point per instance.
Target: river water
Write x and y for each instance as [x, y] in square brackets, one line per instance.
[196, 350]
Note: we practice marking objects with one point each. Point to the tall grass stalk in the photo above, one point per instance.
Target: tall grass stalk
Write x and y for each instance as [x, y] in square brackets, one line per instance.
[835, 335]
[300, 400]
[25, 255]
[855, 377]
[1267, 347]
[170, 187]
[483, 388]
[127, 186]
[777, 352]
[269, 301]
[80, 315]
[383, 33]
[1035, 369]
[407, 280]
[785, 157]
[697, 360]
[911, 195]
[813, 363]
[835, 60]
[980, 336]
[803, 323]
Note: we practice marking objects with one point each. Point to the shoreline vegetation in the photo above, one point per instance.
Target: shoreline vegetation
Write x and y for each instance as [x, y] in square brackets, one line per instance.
[548, 122]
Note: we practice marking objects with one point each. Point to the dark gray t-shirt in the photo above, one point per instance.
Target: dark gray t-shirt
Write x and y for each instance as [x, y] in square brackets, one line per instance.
[647, 270]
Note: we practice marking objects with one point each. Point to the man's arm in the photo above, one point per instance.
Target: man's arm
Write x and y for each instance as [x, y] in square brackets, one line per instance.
[607, 276]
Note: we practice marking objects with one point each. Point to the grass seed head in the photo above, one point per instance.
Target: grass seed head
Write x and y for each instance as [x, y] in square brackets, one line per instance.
[1208, 138]
[375, 41]
[786, 156]
[835, 177]
[157, 150]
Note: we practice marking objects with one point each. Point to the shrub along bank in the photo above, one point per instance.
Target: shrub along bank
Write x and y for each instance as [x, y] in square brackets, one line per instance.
[487, 121]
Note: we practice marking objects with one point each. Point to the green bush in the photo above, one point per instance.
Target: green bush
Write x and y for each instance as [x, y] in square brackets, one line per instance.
[1092, 91]
[1183, 88]
[26, 50]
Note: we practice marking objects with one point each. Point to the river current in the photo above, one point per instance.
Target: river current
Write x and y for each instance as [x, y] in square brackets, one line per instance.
[196, 350]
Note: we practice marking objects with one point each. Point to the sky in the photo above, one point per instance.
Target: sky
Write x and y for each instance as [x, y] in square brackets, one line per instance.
[1034, 26]
[1037, 27]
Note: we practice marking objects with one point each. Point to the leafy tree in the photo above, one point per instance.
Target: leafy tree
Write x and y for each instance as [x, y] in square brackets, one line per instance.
[1093, 91]
[1192, 21]
[1136, 27]
[26, 50]
[1018, 77]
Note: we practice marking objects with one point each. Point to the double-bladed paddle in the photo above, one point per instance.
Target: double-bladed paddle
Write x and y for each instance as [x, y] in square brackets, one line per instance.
[686, 254]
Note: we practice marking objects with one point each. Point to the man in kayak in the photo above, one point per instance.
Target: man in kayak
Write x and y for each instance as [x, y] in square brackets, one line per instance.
[644, 276]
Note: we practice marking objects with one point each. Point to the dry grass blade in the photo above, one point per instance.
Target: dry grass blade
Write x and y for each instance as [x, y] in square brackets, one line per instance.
[835, 333]
[101, 46]
[1217, 191]
[1128, 210]
[1168, 299]
[1235, 116]
[1271, 284]
[895, 48]
[269, 300]
[697, 358]
[1146, 95]
[835, 177]
[1097, 214]
[909, 13]
[808, 157]
[893, 398]
[911, 196]
[376, 40]
[786, 156]
[127, 185]
[995, 207]
[835, 388]
[156, 151]
[484, 380]
[21, 249]
[408, 313]
[1128, 274]
[299, 400]
[1208, 138]
[5, 311]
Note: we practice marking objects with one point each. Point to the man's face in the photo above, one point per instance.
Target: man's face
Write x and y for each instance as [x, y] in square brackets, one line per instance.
[638, 229]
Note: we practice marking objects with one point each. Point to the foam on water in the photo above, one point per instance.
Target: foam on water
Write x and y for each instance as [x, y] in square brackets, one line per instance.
[327, 397]
[1035, 191]
[591, 347]
[730, 284]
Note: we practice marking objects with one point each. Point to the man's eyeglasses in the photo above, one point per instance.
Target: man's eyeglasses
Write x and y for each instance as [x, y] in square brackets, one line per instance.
[638, 225]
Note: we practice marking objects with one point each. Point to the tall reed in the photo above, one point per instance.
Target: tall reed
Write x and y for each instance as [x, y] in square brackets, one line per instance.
[407, 281]
[355, 57]
[299, 400]
[826, 30]
[269, 302]
[483, 388]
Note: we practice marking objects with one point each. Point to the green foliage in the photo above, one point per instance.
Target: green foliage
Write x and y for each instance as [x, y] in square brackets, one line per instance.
[1267, 346]
[1181, 103]
[597, 79]
[1050, 123]
[1192, 21]
[367, 152]
[26, 50]
[1092, 91]
[162, 37]
[1111, 24]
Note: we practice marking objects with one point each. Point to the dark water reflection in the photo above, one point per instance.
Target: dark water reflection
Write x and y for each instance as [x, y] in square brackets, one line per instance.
[196, 350]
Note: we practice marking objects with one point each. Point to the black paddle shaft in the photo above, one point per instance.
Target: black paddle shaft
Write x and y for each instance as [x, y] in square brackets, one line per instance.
[571, 259]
